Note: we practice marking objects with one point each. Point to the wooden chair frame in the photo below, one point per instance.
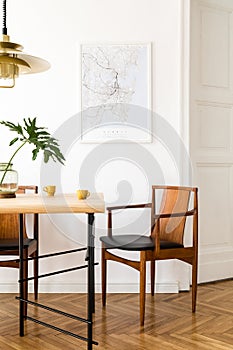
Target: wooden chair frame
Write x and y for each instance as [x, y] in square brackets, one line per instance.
[186, 254]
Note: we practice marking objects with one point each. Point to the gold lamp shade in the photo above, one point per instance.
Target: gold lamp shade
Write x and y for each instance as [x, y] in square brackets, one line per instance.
[14, 62]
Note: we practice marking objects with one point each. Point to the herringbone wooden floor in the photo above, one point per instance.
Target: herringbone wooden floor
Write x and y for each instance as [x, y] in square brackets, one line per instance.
[169, 325]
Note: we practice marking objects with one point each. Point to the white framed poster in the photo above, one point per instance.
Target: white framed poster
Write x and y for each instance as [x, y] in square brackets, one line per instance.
[116, 92]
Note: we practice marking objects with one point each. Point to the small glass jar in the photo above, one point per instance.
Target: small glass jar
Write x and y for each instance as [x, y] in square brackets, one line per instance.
[8, 179]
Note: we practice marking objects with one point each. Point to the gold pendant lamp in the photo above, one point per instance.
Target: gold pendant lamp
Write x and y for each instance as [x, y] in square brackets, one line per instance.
[13, 61]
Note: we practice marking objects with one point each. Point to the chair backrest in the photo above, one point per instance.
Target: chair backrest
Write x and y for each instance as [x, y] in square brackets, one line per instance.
[174, 199]
[9, 223]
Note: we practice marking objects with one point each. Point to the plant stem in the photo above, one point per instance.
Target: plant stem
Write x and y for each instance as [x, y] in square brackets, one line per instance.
[9, 163]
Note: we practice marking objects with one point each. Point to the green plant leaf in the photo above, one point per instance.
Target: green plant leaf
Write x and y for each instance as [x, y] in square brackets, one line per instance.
[34, 153]
[13, 141]
[30, 133]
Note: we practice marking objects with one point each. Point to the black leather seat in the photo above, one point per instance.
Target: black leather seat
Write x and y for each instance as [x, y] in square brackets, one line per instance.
[135, 243]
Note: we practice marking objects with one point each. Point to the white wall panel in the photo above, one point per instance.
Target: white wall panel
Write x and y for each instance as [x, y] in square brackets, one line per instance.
[215, 205]
[214, 128]
[214, 48]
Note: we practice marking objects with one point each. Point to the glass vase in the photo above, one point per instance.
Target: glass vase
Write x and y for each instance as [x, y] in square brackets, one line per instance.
[8, 180]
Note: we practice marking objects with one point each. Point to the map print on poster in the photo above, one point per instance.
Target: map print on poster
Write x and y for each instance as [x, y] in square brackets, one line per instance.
[116, 92]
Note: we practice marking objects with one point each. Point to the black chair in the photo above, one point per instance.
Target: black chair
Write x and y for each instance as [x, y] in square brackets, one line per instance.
[9, 243]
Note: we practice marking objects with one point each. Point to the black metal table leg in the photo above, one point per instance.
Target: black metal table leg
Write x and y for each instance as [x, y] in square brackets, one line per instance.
[91, 284]
[91, 291]
[21, 274]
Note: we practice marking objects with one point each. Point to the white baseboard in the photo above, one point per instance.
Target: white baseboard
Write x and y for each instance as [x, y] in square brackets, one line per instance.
[173, 287]
[215, 271]
[134, 288]
[9, 288]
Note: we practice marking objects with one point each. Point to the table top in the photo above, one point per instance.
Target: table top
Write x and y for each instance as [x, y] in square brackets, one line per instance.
[60, 203]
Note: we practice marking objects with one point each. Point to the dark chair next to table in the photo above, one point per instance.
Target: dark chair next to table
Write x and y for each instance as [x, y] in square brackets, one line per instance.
[165, 241]
[9, 242]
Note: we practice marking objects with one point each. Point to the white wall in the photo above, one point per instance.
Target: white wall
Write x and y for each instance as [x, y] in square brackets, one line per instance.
[54, 30]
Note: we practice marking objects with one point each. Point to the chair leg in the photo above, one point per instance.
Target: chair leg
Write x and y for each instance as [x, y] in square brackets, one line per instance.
[194, 285]
[142, 287]
[104, 275]
[152, 275]
[35, 254]
[25, 284]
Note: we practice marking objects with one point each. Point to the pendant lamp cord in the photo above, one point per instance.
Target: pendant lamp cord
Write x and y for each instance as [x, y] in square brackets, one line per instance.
[4, 28]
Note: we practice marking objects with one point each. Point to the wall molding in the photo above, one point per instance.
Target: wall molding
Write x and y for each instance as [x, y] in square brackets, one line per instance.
[168, 287]
[215, 6]
[214, 164]
[213, 103]
[184, 69]
[212, 271]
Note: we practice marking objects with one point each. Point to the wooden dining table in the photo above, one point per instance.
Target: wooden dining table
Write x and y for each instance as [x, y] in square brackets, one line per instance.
[60, 203]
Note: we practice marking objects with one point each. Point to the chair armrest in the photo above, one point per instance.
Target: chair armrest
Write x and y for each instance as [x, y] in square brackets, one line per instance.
[172, 215]
[131, 206]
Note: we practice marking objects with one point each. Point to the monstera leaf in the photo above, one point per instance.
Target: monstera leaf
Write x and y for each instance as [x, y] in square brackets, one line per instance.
[38, 137]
